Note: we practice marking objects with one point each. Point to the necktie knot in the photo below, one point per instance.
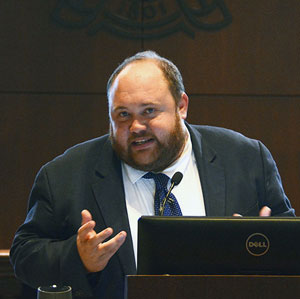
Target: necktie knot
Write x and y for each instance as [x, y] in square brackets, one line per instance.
[171, 206]
[161, 180]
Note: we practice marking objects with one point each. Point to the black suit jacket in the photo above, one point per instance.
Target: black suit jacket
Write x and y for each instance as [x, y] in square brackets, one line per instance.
[238, 175]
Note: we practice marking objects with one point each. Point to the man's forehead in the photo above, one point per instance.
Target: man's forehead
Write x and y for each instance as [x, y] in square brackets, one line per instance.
[138, 75]
[141, 69]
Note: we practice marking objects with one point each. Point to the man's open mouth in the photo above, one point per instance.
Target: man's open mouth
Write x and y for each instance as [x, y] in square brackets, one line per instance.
[142, 141]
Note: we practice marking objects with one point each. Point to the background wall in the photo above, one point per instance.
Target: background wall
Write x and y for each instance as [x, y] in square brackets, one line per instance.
[239, 60]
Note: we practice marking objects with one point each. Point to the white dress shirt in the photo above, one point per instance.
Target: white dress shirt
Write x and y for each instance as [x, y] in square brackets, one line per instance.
[139, 192]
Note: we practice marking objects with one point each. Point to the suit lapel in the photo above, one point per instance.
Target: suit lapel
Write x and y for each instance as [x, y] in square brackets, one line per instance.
[110, 197]
[211, 174]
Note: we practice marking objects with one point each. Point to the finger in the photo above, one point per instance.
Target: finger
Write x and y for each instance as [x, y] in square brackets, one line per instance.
[101, 237]
[265, 211]
[86, 231]
[237, 215]
[95, 258]
[86, 216]
[109, 248]
[106, 250]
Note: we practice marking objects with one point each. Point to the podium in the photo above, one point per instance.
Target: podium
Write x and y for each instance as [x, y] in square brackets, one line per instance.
[212, 286]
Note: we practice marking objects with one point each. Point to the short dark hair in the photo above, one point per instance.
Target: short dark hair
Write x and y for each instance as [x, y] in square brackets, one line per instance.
[169, 69]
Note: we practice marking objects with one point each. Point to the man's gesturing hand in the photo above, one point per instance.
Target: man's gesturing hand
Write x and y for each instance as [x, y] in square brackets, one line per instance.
[264, 212]
[93, 251]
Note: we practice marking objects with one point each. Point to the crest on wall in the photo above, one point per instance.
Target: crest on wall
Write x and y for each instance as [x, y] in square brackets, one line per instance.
[142, 19]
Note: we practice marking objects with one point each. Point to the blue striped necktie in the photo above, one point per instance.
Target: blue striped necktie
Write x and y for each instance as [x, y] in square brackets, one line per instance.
[161, 182]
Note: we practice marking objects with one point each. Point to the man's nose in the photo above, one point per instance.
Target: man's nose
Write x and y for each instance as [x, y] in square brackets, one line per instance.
[138, 126]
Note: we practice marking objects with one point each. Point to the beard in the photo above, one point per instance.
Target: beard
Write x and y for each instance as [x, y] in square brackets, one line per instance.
[165, 153]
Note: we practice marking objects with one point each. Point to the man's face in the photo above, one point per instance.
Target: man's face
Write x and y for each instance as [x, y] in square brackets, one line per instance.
[146, 127]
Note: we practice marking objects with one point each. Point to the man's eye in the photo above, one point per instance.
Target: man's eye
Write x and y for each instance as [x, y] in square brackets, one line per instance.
[123, 114]
[149, 110]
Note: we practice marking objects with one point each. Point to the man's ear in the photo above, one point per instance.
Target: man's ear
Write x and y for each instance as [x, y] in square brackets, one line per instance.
[183, 105]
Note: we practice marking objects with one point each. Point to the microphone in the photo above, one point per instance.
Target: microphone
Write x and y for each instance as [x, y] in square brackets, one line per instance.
[175, 180]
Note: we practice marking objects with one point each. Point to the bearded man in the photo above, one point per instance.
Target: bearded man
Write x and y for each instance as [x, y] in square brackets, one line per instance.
[81, 226]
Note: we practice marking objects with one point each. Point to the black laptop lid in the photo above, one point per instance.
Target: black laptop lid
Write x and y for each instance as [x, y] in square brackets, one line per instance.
[231, 245]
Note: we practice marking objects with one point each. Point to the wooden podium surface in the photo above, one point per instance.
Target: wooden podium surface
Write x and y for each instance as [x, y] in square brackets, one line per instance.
[10, 287]
[212, 286]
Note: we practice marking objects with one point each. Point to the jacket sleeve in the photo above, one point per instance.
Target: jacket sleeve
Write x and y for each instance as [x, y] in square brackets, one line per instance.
[43, 252]
[274, 194]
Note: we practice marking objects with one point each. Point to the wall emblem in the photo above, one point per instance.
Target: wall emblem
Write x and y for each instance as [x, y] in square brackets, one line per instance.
[142, 19]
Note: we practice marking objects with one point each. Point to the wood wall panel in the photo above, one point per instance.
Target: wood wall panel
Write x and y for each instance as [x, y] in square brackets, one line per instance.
[258, 53]
[38, 55]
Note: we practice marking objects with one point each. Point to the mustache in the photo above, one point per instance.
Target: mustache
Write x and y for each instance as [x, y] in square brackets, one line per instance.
[140, 134]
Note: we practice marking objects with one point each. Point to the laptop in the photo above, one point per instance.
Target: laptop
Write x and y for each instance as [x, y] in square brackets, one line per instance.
[218, 245]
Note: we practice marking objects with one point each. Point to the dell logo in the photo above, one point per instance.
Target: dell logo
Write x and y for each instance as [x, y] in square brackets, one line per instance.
[257, 244]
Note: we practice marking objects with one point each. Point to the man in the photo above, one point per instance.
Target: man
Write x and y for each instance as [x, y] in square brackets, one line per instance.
[107, 180]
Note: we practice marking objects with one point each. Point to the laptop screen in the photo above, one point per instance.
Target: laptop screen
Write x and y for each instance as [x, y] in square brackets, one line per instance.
[218, 245]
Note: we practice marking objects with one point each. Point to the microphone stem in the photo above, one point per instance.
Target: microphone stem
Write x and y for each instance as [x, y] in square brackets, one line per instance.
[163, 204]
